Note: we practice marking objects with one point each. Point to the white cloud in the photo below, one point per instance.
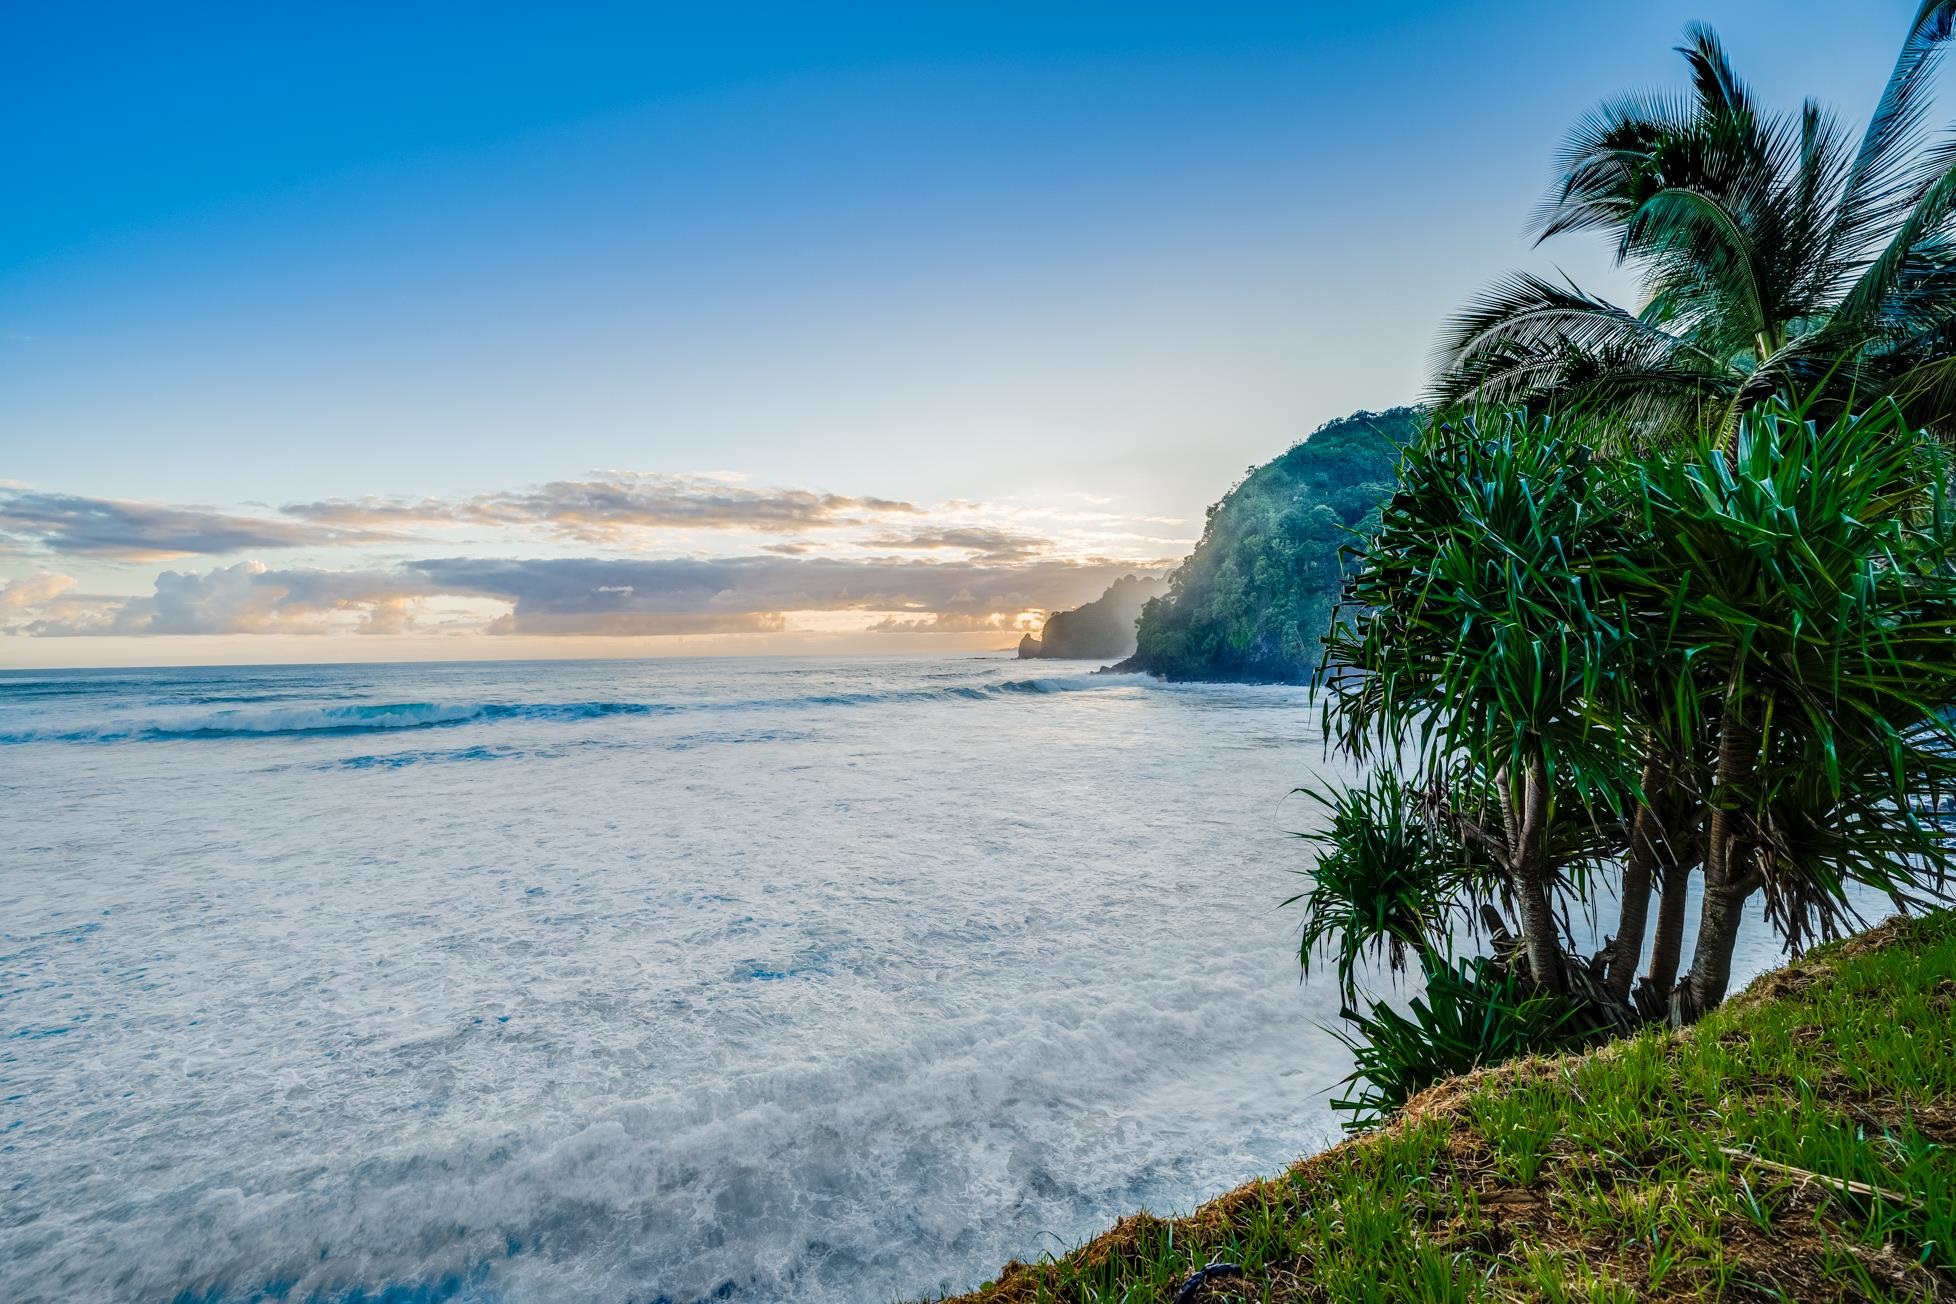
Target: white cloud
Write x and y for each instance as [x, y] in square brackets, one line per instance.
[34, 591]
[247, 598]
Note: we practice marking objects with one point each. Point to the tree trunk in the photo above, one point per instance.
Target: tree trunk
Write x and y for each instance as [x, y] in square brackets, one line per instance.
[1727, 884]
[1531, 871]
[1675, 859]
[1711, 963]
[1538, 931]
[1627, 947]
[1668, 943]
[1510, 814]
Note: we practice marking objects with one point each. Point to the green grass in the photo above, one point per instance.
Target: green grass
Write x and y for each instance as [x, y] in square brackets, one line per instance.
[1606, 1176]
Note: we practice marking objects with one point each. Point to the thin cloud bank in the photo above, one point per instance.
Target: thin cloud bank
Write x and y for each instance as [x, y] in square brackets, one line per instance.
[570, 596]
[807, 557]
[74, 526]
[632, 596]
[955, 622]
[608, 508]
[988, 542]
[619, 511]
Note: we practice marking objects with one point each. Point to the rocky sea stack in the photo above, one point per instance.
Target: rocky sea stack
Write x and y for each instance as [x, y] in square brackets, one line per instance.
[1102, 630]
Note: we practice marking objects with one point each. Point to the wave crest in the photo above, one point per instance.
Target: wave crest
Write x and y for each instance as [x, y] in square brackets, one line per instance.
[1076, 683]
[302, 721]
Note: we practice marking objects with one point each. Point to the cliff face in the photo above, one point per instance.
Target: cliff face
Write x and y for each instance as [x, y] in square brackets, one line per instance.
[1103, 630]
[1254, 600]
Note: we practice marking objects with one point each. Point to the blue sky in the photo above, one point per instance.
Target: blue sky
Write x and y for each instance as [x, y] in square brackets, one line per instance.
[1051, 274]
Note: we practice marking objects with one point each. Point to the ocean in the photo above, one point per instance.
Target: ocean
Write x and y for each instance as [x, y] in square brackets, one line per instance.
[671, 980]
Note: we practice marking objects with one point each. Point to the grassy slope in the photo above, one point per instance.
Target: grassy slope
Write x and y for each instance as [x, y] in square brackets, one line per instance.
[1605, 1176]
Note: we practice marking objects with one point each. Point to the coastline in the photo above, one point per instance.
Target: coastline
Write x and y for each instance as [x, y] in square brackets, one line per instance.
[1797, 1141]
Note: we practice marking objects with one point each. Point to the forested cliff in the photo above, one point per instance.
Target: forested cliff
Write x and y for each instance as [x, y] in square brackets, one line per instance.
[1255, 597]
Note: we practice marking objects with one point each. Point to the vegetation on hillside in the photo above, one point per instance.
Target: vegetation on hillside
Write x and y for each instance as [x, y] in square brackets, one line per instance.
[1253, 600]
[1798, 1144]
[1776, 254]
[1666, 601]
[1576, 675]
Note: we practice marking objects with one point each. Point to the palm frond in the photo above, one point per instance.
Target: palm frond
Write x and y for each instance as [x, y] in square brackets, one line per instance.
[1721, 94]
[1520, 315]
[1878, 187]
[1921, 237]
[1609, 164]
[1763, 241]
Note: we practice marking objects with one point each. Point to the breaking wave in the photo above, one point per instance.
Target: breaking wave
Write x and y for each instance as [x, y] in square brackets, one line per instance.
[1077, 683]
[283, 721]
[233, 722]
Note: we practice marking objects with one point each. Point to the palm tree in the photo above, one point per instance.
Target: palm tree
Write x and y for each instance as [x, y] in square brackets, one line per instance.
[1775, 255]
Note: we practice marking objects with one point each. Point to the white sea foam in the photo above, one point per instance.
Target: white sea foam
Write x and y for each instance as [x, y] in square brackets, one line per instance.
[777, 979]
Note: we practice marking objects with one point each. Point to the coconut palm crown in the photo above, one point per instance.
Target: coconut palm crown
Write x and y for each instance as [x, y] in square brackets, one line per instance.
[1776, 254]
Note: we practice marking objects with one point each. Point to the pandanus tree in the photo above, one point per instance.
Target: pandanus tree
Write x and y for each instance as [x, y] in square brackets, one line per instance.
[1481, 651]
[1466, 674]
[1578, 675]
[1777, 255]
[1793, 607]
